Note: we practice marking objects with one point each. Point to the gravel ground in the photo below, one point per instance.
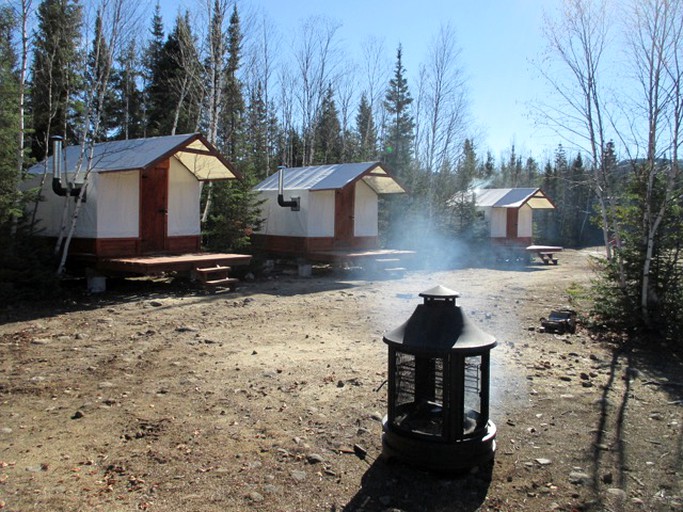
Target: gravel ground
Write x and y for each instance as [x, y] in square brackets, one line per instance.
[157, 396]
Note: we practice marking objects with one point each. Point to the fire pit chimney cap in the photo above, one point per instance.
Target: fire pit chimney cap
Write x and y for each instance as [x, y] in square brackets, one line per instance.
[440, 292]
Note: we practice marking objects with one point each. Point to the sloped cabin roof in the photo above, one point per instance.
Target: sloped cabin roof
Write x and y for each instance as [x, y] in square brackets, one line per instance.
[192, 150]
[334, 177]
[512, 198]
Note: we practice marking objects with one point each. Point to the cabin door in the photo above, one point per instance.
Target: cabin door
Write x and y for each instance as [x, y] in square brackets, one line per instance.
[153, 208]
[512, 222]
[344, 203]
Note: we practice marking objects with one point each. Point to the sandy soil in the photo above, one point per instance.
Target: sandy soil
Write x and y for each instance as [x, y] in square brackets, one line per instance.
[158, 396]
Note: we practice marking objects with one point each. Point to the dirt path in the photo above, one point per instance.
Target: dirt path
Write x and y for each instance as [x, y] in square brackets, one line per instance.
[155, 397]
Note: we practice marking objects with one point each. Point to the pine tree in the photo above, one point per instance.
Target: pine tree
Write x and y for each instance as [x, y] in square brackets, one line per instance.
[398, 143]
[55, 78]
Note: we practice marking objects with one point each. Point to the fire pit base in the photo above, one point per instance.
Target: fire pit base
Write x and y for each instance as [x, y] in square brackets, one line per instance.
[438, 455]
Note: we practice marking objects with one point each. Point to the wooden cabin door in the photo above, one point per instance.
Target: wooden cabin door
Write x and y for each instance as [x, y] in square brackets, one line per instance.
[512, 222]
[153, 208]
[344, 203]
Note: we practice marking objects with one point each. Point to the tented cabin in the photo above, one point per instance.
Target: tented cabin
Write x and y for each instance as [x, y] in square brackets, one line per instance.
[141, 198]
[336, 209]
[509, 213]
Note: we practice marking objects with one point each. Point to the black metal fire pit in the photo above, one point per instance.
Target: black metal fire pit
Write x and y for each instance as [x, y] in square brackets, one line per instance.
[438, 406]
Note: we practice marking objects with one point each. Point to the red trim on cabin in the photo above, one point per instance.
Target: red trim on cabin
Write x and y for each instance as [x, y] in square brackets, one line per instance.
[302, 246]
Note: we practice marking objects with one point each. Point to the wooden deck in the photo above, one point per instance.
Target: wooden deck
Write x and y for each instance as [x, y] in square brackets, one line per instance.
[158, 264]
[357, 256]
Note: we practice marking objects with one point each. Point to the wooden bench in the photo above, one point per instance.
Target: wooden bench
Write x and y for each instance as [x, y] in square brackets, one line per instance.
[547, 258]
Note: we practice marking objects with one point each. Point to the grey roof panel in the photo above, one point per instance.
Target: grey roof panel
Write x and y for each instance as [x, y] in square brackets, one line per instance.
[332, 177]
[120, 154]
[191, 149]
[512, 198]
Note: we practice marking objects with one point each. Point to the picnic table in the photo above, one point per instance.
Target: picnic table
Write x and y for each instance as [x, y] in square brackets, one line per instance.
[545, 252]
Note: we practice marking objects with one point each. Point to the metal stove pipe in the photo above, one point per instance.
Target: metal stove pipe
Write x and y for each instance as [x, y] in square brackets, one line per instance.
[293, 203]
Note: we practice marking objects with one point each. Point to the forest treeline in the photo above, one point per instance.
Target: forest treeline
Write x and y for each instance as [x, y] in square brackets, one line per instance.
[92, 71]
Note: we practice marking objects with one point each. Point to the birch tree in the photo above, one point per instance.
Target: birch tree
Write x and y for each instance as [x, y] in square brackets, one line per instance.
[215, 82]
[112, 16]
[656, 42]
[577, 41]
[316, 60]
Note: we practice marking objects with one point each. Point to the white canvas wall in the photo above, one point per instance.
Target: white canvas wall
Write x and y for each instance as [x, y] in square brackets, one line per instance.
[498, 219]
[321, 213]
[283, 221]
[183, 201]
[524, 221]
[51, 209]
[118, 205]
[365, 211]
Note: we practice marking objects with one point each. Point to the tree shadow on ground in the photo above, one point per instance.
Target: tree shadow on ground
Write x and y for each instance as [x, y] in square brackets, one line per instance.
[635, 365]
[395, 486]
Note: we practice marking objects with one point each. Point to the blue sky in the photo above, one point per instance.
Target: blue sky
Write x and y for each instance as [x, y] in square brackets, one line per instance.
[499, 39]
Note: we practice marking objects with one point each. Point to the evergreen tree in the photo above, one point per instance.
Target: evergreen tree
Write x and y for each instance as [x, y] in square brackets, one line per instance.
[328, 141]
[531, 173]
[9, 123]
[366, 131]
[488, 169]
[180, 72]
[126, 113]
[104, 99]
[233, 99]
[398, 143]
[155, 107]
[466, 170]
[258, 154]
[55, 78]
[545, 220]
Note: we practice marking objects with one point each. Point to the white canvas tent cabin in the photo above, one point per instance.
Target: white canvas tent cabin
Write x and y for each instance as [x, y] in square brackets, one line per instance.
[337, 213]
[509, 213]
[142, 202]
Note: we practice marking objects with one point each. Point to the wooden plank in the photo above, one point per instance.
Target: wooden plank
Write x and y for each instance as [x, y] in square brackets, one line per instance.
[147, 265]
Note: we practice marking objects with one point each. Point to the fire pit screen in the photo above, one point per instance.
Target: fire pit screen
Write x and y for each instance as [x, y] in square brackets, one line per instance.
[438, 403]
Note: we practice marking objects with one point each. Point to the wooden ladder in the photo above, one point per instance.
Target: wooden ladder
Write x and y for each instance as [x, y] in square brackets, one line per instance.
[216, 277]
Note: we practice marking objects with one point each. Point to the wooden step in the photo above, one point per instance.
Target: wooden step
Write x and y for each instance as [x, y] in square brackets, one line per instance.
[387, 260]
[226, 282]
[399, 271]
[211, 270]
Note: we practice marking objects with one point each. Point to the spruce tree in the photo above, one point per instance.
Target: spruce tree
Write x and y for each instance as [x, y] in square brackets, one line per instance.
[262, 128]
[55, 78]
[97, 72]
[155, 107]
[126, 115]
[366, 131]
[232, 112]
[328, 141]
[398, 142]
[9, 122]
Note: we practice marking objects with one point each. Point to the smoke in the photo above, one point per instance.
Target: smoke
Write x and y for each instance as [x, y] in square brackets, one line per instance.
[445, 240]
